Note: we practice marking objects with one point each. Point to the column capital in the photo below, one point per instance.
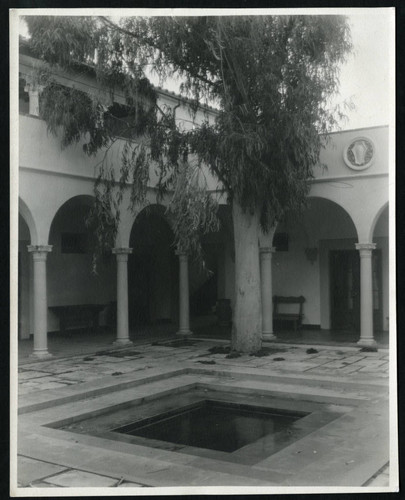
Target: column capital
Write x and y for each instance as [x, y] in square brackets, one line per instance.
[122, 253]
[181, 253]
[269, 250]
[365, 248]
[33, 87]
[39, 248]
[122, 250]
[39, 252]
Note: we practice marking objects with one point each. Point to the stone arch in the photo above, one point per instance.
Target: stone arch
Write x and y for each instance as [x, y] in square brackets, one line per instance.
[152, 269]
[376, 218]
[45, 194]
[155, 210]
[26, 214]
[266, 239]
[301, 264]
[379, 234]
[128, 217]
[72, 278]
[27, 234]
[323, 219]
[74, 203]
[84, 199]
[341, 208]
[74, 193]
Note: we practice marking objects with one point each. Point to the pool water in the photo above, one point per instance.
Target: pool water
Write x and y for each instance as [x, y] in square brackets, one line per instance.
[214, 425]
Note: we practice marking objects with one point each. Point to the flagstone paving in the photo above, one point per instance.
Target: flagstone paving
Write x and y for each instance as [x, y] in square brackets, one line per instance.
[51, 378]
[38, 376]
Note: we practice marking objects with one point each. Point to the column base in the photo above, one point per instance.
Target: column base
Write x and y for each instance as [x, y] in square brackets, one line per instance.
[367, 342]
[120, 342]
[268, 337]
[40, 355]
[184, 333]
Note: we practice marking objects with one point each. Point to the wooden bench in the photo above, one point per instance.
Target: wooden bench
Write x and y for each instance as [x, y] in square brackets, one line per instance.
[288, 316]
[78, 316]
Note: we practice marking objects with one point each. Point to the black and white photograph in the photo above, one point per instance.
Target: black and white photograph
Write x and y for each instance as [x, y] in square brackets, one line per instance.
[203, 294]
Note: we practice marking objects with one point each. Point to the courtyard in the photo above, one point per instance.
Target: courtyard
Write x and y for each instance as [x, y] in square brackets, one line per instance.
[343, 440]
[152, 218]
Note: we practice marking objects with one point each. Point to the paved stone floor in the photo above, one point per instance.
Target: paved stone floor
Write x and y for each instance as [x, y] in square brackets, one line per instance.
[52, 374]
[42, 382]
[81, 341]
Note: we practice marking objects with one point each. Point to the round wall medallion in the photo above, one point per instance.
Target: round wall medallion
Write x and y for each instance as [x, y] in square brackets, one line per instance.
[359, 154]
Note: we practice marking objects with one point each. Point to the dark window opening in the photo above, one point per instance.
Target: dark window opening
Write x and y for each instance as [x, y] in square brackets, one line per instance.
[122, 121]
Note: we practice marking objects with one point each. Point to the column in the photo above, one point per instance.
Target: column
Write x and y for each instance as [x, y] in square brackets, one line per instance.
[366, 294]
[39, 254]
[266, 254]
[184, 316]
[33, 89]
[122, 295]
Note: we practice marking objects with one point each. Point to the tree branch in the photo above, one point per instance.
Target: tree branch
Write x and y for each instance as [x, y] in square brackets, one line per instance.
[124, 31]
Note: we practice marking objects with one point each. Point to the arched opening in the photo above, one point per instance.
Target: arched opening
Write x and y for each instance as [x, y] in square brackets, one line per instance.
[152, 270]
[316, 257]
[26, 215]
[380, 226]
[381, 271]
[204, 279]
[24, 296]
[212, 288]
[72, 278]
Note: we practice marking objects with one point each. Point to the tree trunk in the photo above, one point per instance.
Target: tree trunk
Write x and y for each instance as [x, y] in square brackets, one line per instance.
[247, 320]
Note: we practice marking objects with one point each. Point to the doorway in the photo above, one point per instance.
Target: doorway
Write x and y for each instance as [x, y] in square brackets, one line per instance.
[152, 267]
[345, 290]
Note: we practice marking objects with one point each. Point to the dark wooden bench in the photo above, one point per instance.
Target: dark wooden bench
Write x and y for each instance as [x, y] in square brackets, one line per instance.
[78, 316]
[292, 317]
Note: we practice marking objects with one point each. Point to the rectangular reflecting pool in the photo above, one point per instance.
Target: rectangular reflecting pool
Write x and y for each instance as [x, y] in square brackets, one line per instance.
[214, 425]
[203, 420]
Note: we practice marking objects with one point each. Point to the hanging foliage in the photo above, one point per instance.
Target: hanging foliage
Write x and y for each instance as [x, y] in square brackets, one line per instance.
[271, 75]
[271, 78]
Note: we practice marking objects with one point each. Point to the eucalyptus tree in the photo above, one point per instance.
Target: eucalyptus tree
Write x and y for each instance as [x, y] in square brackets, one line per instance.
[272, 79]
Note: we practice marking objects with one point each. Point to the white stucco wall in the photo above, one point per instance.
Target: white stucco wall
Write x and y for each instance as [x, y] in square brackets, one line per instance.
[332, 154]
[49, 176]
